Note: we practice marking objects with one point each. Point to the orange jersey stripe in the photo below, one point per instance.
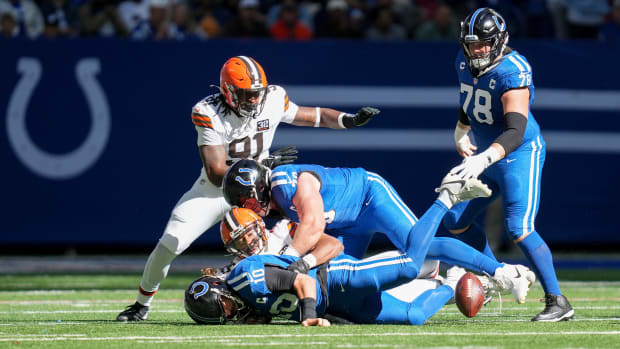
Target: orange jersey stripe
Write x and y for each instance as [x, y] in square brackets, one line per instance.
[201, 117]
[286, 103]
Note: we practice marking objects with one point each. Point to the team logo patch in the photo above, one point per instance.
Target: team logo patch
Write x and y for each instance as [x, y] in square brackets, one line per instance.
[244, 182]
[462, 66]
[205, 288]
[262, 125]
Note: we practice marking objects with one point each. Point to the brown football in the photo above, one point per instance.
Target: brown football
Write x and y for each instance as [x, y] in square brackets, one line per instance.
[469, 295]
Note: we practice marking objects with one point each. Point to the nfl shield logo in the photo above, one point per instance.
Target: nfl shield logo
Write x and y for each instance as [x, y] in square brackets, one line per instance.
[475, 81]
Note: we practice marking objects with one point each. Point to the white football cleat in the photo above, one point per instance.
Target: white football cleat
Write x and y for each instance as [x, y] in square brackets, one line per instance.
[515, 278]
[462, 190]
[453, 275]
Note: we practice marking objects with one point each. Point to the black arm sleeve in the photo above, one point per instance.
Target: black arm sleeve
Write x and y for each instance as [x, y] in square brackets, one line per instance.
[463, 117]
[514, 129]
[278, 279]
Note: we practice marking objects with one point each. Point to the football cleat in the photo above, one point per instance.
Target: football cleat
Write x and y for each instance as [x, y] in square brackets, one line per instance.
[453, 275]
[556, 309]
[514, 278]
[134, 312]
[462, 190]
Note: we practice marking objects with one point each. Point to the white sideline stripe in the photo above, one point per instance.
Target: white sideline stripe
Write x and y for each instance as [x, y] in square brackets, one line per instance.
[444, 97]
[219, 338]
[434, 139]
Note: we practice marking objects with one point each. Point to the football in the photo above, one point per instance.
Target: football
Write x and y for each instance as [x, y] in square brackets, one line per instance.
[469, 295]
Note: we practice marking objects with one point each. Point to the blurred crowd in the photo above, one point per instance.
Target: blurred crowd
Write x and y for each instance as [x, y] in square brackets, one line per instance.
[302, 19]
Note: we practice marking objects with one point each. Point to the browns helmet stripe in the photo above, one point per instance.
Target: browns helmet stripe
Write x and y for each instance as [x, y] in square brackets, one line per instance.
[231, 223]
[255, 71]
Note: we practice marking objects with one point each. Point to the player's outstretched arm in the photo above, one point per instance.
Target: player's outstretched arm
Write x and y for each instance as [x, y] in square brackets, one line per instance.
[309, 205]
[305, 287]
[326, 117]
[326, 249]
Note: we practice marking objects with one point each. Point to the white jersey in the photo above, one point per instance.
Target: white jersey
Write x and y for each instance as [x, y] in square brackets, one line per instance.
[217, 124]
[280, 237]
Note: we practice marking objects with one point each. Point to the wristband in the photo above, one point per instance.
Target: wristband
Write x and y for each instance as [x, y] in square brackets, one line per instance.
[317, 122]
[310, 259]
[308, 308]
[492, 155]
[459, 133]
[340, 120]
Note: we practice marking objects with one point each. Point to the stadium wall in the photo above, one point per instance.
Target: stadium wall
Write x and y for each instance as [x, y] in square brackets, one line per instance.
[97, 142]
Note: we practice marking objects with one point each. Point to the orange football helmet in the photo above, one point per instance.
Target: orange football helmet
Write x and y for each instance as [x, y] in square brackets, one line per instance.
[244, 86]
[243, 232]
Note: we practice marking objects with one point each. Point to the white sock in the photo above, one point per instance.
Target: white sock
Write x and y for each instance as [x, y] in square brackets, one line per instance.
[155, 270]
[444, 197]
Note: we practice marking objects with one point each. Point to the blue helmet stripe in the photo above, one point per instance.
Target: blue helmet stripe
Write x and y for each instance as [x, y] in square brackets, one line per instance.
[473, 19]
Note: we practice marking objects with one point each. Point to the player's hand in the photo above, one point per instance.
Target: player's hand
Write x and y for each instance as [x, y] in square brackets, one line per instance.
[316, 322]
[465, 147]
[361, 118]
[281, 157]
[471, 167]
[299, 266]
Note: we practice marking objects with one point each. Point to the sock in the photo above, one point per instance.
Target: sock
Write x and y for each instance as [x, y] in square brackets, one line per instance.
[539, 255]
[155, 270]
[475, 237]
[455, 252]
[424, 231]
[428, 303]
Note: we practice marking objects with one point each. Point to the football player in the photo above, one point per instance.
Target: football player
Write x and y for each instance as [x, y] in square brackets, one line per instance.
[353, 205]
[237, 122]
[372, 290]
[497, 90]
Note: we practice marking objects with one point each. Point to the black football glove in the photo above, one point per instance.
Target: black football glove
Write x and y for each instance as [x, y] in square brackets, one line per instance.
[361, 118]
[299, 266]
[281, 157]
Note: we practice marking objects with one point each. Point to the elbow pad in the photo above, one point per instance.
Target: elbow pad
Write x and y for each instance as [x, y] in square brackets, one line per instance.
[514, 129]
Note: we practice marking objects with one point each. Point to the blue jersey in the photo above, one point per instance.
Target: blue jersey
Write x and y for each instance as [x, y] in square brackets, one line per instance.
[248, 280]
[343, 190]
[481, 97]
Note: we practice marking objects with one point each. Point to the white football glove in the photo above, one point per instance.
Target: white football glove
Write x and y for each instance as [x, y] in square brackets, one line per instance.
[472, 166]
[463, 143]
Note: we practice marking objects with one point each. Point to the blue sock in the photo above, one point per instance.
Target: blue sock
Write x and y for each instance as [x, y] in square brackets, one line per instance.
[475, 237]
[428, 303]
[539, 255]
[455, 252]
[424, 231]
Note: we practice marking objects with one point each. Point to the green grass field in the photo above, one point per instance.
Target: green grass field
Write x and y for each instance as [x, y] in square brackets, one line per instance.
[77, 310]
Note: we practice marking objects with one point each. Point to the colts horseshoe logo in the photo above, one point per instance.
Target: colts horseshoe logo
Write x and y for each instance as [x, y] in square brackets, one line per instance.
[75, 162]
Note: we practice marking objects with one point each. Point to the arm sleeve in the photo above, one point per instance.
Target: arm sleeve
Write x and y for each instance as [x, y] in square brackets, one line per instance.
[278, 279]
[463, 117]
[514, 129]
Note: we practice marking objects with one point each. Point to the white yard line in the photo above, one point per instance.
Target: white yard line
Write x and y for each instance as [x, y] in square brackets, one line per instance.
[313, 335]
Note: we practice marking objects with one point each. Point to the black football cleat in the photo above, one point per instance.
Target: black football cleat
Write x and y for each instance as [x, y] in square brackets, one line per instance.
[556, 309]
[134, 312]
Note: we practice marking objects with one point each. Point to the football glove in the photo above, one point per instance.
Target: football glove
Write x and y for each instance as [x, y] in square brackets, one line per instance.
[361, 118]
[281, 157]
[472, 166]
[299, 266]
